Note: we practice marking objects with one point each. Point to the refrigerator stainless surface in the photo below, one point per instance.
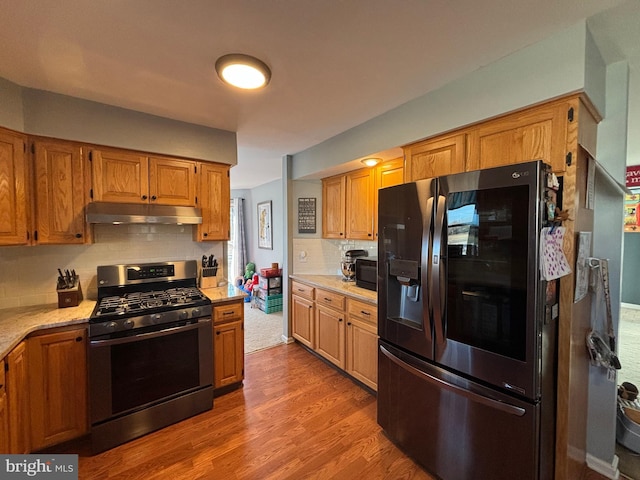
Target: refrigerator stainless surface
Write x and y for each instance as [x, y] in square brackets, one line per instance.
[467, 342]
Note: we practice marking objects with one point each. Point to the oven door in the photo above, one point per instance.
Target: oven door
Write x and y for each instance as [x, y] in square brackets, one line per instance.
[137, 371]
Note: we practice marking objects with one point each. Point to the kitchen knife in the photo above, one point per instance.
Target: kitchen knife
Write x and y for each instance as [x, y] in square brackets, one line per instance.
[67, 277]
[74, 277]
[204, 261]
[211, 260]
[61, 282]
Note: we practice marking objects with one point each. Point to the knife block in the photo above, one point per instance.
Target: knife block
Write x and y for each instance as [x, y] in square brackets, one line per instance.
[209, 278]
[70, 297]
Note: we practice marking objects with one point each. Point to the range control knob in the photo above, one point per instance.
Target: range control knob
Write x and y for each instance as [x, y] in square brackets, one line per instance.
[183, 315]
[110, 326]
[156, 318]
[129, 324]
[195, 312]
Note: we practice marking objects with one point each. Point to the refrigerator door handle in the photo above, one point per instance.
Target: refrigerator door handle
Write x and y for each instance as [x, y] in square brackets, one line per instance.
[426, 284]
[437, 270]
[489, 402]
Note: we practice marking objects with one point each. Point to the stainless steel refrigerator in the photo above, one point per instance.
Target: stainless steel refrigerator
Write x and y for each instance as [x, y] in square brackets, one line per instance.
[467, 350]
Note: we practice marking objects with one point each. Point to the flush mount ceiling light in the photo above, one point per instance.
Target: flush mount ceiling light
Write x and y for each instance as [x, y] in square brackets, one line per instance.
[243, 71]
[370, 162]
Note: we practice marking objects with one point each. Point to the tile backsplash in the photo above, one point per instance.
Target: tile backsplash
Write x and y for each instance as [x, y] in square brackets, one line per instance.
[318, 256]
[28, 274]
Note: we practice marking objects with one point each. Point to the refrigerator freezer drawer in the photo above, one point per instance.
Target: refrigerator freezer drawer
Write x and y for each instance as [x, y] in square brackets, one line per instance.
[457, 429]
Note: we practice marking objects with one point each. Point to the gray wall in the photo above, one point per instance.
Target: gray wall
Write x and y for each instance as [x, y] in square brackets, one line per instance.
[550, 68]
[44, 113]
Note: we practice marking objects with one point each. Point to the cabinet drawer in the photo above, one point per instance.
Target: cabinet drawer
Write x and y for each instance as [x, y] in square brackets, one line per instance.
[302, 290]
[231, 311]
[363, 311]
[2, 379]
[330, 299]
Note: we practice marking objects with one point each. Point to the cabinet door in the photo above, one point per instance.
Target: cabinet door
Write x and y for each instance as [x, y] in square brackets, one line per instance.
[14, 176]
[329, 327]
[59, 193]
[4, 412]
[58, 387]
[535, 134]
[214, 197]
[388, 174]
[362, 352]
[172, 181]
[359, 204]
[436, 157]
[119, 177]
[302, 321]
[18, 400]
[333, 207]
[228, 353]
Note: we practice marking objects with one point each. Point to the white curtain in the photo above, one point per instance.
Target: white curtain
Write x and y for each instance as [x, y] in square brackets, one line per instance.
[237, 242]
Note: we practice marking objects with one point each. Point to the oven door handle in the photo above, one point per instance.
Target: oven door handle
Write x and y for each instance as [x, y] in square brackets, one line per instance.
[149, 335]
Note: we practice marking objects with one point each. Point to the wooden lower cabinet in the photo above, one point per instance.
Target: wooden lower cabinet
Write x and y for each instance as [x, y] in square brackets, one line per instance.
[4, 412]
[18, 405]
[330, 334]
[228, 344]
[339, 328]
[58, 387]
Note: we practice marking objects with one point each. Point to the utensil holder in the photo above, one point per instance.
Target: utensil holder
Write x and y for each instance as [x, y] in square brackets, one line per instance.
[209, 277]
[70, 297]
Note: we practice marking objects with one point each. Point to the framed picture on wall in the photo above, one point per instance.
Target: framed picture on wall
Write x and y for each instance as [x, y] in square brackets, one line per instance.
[265, 233]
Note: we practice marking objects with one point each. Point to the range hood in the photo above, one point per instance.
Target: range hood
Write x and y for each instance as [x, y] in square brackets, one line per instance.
[116, 213]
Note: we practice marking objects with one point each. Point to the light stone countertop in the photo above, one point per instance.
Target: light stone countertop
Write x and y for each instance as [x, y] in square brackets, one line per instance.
[335, 284]
[16, 323]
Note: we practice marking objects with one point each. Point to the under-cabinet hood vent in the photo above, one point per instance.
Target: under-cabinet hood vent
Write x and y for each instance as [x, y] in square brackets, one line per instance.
[142, 213]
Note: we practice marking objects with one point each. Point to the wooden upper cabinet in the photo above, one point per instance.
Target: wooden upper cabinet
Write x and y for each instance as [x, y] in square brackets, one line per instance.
[333, 207]
[172, 181]
[388, 174]
[538, 133]
[435, 157]
[58, 193]
[14, 182]
[360, 188]
[119, 176]
[214, 197]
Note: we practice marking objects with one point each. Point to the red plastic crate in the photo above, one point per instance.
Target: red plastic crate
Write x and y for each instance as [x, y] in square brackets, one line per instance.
[270, 272]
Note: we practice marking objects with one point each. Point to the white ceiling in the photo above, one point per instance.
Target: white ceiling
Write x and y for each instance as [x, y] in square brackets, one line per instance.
[335, 63]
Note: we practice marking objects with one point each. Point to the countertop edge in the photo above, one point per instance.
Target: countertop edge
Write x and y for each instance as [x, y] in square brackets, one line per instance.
[335, 284]
[18, 323]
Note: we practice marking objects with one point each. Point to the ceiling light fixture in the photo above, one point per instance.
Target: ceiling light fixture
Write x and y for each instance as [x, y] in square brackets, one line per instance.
[243, 71]
[371, 162]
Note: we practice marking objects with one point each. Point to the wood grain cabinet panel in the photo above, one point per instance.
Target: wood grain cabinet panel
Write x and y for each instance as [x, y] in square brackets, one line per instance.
[4, 412]
[302, 320]
[59, 193]
[435, 157]
[14, 181]
[333, 207]
[214, 196]
[538, 133]
[228, 344]
[360, 189]
[362, 342]
[330, 326]
[119, 176]
[172, 181]
[58, 387]
[388, 174]
[18, 402]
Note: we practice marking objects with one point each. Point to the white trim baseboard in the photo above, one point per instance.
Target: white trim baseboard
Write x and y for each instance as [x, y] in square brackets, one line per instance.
[609, 470]
[632, 306]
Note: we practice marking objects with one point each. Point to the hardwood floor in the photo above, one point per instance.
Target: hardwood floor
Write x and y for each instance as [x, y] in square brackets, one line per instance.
[295, 418]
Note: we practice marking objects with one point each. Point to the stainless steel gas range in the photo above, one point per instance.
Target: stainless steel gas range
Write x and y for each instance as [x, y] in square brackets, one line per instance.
[150, 350]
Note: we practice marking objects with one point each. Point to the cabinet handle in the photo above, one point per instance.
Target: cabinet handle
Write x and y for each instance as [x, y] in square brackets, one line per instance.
[218, 332]
[205, 234]
[144, 197]
[365, 313]
[349, 324]
[339, 319]
[327, 299]
[78, 235]
[153, 197]
[78, 339]
[228, 313]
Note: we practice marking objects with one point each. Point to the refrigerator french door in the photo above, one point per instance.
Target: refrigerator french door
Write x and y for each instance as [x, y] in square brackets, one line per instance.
[459, 290]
